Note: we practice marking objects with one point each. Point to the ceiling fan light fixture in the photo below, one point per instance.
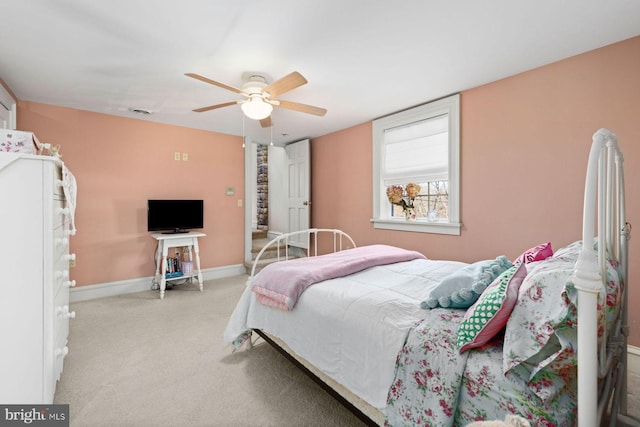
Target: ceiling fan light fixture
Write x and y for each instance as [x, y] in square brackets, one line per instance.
[256, 108]
[259, 95]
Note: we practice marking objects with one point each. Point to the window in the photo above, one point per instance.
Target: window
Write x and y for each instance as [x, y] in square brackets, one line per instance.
[420, 146]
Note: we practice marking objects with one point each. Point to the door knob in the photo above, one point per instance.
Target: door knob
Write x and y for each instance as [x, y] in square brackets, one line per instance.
[306, 203]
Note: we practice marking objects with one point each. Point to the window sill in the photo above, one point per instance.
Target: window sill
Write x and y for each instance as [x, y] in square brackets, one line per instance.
[419, 226]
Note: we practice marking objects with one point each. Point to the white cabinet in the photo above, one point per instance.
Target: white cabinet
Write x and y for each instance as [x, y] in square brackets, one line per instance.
[34, 279]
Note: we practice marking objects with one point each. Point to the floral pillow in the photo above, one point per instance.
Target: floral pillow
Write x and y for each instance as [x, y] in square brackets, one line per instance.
[463, 287]
[537, 253]
[540, 344]
[490, 313]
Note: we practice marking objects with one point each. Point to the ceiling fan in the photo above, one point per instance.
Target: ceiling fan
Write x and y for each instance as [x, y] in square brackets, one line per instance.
[261, 97]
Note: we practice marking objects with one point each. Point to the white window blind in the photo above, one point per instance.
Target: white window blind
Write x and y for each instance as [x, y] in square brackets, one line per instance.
[417, 152]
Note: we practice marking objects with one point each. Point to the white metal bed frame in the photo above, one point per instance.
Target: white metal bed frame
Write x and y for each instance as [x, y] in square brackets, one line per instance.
[604, 201]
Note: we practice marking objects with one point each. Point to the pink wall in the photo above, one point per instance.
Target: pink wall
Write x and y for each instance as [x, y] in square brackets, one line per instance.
[119, 163]
[524, 147]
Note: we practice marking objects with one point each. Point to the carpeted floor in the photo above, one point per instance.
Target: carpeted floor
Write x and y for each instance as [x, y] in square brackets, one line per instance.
[136, 360]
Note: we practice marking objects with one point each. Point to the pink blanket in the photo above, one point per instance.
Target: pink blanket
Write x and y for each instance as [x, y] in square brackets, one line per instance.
[280, 284]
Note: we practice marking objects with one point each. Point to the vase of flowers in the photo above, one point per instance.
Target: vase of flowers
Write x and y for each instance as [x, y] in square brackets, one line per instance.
[404, 197]
[432, 213]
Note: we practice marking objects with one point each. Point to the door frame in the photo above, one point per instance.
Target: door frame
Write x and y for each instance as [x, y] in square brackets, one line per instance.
[248, 198]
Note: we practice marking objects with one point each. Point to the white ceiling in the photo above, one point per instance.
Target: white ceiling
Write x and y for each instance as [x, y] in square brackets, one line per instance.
[363, 58]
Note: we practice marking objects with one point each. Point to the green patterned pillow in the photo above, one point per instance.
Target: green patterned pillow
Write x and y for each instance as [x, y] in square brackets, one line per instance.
[490, 313]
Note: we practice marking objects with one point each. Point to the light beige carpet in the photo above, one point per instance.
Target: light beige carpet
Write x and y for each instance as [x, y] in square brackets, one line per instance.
[136, 360]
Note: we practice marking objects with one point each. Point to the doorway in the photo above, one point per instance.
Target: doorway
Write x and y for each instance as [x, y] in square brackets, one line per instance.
[277, 189]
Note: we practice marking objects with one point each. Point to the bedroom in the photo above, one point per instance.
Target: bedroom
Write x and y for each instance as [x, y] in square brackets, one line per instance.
[554, 108]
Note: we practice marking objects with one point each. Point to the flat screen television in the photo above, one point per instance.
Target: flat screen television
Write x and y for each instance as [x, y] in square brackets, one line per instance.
[174, 216]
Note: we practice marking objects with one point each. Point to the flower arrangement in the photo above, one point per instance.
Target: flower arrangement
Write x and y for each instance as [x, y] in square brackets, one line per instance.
[404, 197]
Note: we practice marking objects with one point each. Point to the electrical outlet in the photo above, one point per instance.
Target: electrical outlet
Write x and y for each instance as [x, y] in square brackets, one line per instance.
[72, 262]
[239, 203]
[176, 155]
[185, 157]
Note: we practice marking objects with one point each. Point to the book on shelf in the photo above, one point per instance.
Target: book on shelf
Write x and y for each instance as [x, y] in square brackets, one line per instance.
[173, 268]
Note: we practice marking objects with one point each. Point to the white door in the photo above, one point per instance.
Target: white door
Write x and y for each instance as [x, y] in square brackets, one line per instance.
[4, 117]
[7, 110]
[299, 189]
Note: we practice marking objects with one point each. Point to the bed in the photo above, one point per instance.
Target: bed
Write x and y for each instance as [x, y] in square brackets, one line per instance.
[404, 340]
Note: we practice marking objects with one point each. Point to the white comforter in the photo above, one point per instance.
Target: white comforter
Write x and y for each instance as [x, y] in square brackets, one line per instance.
[350, 328]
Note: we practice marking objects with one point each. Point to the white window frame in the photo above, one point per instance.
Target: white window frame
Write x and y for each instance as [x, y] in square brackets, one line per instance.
[452, 226]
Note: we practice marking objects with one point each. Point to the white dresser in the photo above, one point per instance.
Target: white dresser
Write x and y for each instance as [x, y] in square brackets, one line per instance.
[34, 278]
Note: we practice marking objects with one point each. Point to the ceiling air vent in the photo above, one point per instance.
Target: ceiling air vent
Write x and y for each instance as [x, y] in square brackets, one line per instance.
[140, 111]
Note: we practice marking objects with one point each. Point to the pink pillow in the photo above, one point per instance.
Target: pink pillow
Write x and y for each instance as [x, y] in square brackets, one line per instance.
[537, 253]
[492, 310]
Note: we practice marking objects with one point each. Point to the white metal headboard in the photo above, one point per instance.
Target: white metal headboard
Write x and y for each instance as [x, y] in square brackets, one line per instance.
[281, 243]
[603, 199]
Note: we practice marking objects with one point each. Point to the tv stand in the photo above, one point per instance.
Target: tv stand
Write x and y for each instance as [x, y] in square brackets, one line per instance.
[175, 240]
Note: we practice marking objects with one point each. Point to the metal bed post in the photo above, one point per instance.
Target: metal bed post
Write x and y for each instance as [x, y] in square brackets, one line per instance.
[604, 195]
[622, 232]
[625, 235]
[588, 282]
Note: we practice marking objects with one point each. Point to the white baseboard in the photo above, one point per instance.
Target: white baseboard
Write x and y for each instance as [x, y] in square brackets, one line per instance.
[633, 360]
[101, 290]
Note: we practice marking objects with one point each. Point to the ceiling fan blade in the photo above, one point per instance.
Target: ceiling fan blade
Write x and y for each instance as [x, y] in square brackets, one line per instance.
[285, 84]
[303, 108]
[213, 107]
[266, 123]
[213, 82]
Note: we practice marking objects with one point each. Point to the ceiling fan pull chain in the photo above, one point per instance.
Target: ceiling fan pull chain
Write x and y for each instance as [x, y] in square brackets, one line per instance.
[243, 131]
